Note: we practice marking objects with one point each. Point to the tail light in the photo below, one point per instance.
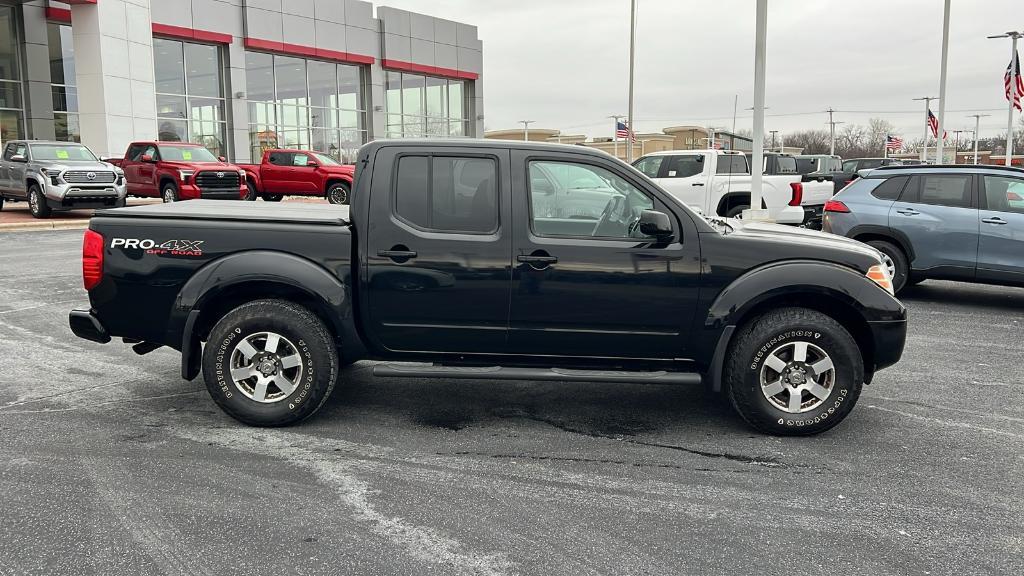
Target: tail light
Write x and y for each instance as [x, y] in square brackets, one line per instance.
[92, 259]
[798, 193]
[836, 206]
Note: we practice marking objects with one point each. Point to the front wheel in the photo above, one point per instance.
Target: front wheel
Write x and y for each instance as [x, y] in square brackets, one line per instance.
[250, 192]
[270, 363]
[895, 260]
[338, 193]
[794, 372]
[37, 202]
[169, 193]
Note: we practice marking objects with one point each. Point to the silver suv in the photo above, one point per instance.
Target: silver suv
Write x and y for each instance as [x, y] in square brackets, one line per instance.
[58, 176]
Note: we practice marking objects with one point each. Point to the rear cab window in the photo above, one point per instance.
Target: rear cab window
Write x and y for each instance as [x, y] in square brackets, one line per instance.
[685, 166]
[732, 164]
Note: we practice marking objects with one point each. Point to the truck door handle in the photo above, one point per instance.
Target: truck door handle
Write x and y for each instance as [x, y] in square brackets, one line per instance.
[908, 211]
[397, 254]
[993, 220]
[697, 184]
[543, 259]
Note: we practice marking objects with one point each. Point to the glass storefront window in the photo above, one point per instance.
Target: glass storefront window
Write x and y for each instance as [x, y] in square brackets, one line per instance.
[423, 106]
[190, 94]
[62, 79]
[11, 114]
[304, 104]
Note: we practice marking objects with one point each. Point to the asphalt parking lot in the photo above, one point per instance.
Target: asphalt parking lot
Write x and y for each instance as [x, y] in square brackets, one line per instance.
[111, 464]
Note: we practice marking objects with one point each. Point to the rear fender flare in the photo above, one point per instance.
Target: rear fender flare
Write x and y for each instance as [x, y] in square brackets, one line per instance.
[218, 278]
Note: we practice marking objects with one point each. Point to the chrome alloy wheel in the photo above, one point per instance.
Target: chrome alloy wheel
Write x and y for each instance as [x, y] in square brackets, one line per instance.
[889, 264]
[797, 377]
[33, 202]
[266, 367]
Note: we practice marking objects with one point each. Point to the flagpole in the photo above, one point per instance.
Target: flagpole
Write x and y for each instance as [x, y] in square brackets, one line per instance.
[940, 133]
[617, 117]
[632, 54]
[1014, 63]
[927, 126]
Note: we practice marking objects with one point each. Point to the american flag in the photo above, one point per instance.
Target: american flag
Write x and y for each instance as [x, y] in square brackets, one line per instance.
[893, 143]
[1019, 91]
[933, 123]
[622, 131]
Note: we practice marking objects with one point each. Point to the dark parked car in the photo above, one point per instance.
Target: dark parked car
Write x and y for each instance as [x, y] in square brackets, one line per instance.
[487, 260]
[953, 222]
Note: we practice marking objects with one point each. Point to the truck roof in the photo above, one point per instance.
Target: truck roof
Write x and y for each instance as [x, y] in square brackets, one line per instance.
[325, 214]
[695, 151]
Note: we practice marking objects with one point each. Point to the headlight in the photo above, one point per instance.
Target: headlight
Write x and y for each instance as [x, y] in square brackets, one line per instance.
[52, 175]
[185, 174]
[879, 274]
[241, 172]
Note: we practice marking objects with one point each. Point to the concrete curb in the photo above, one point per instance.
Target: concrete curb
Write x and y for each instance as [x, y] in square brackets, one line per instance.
[44, 225]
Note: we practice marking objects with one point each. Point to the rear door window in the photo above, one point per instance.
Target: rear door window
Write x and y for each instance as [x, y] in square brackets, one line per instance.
[786, 164]
[940, 190]
[650, 165]
[732, 164]
[447, 193]
[1004, 194]
[280, 159]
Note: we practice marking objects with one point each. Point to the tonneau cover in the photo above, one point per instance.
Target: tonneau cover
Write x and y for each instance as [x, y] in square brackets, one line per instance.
[305, 213]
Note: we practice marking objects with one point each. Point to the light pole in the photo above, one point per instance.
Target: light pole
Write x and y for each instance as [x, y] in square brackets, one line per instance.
[956, 143]
[773, 133]
[760, 44]
[632, 57]
[977, 120]
[927, 108]
[617, 117]
[526, 129]
[832, 132]
[1013, 35]
[939, 141]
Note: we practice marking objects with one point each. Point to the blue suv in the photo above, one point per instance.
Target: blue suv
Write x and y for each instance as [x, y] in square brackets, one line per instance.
[959, 222]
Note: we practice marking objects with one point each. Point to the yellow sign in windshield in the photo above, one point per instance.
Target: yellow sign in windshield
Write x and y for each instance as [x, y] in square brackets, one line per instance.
[186, 154]
[62, 154]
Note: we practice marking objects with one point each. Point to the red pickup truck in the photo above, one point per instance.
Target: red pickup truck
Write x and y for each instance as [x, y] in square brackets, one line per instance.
[179, 171]
[298, 173]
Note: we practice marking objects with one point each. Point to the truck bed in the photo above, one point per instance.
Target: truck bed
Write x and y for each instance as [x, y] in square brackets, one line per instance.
[322, 214]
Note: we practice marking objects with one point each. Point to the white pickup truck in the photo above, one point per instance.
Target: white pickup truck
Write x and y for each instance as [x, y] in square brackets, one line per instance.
[718, 182]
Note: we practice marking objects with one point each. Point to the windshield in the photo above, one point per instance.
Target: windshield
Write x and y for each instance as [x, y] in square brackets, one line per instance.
[186, 154]
[325, 159]
[69, 152]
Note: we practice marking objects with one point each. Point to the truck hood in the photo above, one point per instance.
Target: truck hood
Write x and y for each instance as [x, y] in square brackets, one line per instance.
[823, 244]
[200, 165]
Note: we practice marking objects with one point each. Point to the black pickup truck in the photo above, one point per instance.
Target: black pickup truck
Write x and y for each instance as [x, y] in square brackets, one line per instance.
[493, 261]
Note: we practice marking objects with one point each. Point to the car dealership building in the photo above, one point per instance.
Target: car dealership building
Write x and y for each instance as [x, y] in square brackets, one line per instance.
[238, 76]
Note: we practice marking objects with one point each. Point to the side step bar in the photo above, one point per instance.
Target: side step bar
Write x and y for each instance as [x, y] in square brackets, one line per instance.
[546, 374]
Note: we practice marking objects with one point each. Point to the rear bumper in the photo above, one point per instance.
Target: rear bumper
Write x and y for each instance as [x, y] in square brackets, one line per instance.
[813, 216]
[890, 336]
[85, 325]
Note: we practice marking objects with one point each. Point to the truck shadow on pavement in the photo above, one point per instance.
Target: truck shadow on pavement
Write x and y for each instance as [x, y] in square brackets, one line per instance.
[965, 294]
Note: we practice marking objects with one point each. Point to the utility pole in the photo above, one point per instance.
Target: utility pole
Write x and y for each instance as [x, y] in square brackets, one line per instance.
[773, 133]
[526, 129]
[977, 121]
[927, 108]
[617, 117]
[832, 132]
[632, 59]
[756, 171]
[1014, 35]
[939, 140]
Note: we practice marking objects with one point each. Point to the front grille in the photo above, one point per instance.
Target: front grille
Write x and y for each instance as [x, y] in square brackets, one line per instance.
[217, 179]
[82, 177]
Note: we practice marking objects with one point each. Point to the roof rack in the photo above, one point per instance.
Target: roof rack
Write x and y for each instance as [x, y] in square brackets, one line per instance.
[1013, 169]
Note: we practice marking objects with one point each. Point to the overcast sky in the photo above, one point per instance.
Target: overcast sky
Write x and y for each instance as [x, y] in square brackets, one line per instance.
[564, 63]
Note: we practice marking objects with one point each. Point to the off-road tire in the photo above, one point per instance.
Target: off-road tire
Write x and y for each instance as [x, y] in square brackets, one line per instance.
[772, 331]
[901, 273]
[37, 205]
[250, 192]
[338, 193]
[313, 343]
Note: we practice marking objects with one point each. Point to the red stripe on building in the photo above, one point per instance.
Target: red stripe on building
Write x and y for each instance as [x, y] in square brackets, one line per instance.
[307, 51]
[432, 70]
[58, 14]
[191, 34]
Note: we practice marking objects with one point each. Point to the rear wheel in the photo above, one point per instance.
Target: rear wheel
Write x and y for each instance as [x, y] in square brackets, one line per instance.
[37, 202]
[895, 260]
[338, 193]
[794, 372]
[169, 192]
[1, 202]
[270, 363]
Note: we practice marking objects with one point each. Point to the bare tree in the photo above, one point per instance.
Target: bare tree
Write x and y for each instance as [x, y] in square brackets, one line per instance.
[812, 141]
[877, 130]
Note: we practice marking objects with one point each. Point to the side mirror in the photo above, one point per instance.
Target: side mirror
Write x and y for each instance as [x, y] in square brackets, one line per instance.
[311, 164]
[656, 224]
[146, 158]
[222, 159]
[19, 158]
[106, 159]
